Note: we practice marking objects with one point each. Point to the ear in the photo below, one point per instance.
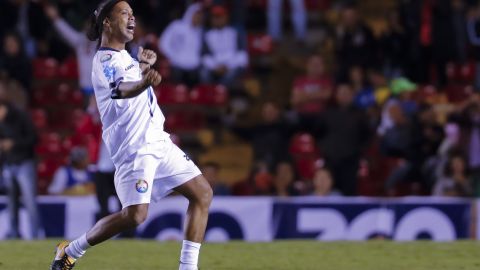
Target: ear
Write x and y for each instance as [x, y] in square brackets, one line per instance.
[106, 22]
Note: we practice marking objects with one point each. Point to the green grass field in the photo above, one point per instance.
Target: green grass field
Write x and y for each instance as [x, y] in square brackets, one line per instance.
[288, 255]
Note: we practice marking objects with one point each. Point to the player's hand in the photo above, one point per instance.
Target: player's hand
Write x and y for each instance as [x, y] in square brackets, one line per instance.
[148, 56]
[51, 11]
[152, 77]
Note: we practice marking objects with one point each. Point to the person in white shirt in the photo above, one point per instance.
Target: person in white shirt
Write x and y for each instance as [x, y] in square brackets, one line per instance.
[84, 48]
[148, 164]
[74, 178]
[181, 43]
[225, 59]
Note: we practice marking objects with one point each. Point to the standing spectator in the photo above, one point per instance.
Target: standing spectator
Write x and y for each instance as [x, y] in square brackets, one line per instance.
[298, 17]
[210, 170]
[343, 132]
[13, 61]
[84, 48]
[225, 58]
[74, 178]
[17, 142]
[181, 42]
[283, 180]
[473, 30]
[354, 43]
[311, 92]
[323, 184]
[456, 181]
[394, 44]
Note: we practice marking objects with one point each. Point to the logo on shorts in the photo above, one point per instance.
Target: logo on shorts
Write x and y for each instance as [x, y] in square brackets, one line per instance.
[141, 186]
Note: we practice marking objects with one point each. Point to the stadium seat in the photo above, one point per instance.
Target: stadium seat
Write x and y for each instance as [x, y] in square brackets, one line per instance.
[39, 118]
[459, 92]
[207, 94]
[184, 121]
[68, 69]
[49, 145]
[45, 68]
[303, 144]
[259, 44]
[306, 166]
[169, 94]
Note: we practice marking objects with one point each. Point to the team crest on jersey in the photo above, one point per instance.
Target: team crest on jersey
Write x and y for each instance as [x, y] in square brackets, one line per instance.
[109, 72]
[105, 58]
[141, 186]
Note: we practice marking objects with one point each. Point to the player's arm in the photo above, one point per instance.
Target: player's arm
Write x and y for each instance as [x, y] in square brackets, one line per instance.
[121, 89]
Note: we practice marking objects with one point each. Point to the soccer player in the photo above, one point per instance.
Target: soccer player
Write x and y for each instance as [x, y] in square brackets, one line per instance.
[148, 164]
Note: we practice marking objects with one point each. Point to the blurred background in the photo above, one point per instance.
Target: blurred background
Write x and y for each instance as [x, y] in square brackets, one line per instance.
[320, 100]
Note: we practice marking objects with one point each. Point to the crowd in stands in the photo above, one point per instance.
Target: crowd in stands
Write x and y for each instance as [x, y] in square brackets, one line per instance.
[381, 106]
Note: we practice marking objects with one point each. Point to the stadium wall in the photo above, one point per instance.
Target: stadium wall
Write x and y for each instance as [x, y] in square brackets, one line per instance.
[268, 218]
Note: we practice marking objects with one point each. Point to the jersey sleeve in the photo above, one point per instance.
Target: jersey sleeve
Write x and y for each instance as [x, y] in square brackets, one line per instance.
[113, 71]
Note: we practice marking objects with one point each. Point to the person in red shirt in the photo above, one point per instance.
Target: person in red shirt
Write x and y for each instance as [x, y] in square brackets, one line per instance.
[311, 92]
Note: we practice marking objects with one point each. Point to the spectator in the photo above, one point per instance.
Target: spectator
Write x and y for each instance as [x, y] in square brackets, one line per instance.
[311, 92]
[456, 181]
[225, 58]
[394, 45]
[84, 48]
[364, 93]
[284, 180]
[210, 170]
[323, 184]
[343, 132]
[13, 61]
[270, 137]
[398, 142]
[17, 142]
[473, 30]
[401, 90]
[74, 178]
[181, 42]
[298, 17]
[354, 43]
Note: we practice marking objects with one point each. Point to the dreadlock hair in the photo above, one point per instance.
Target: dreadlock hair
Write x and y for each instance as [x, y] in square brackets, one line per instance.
[95, 27]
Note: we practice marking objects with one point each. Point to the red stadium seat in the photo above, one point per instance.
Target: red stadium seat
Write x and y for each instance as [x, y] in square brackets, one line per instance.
[69, 69]
[184, 121]
[303, 144]
[459, 93]
[168, 94]
[206, 94]
[306, 166]
[45, 68]
[39, 118]
[49, 144]
[259, 44]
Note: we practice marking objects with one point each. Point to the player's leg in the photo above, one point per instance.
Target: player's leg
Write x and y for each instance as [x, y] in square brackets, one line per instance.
[107, 227]
[199, 195]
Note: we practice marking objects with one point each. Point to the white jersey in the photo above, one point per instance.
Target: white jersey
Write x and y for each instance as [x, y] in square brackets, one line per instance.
[128, 124]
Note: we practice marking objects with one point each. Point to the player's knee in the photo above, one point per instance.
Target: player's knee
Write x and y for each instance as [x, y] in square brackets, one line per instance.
[205, 196]
[136, 214]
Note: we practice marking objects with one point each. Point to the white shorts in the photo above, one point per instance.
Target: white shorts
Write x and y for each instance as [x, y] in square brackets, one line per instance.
[152, 173]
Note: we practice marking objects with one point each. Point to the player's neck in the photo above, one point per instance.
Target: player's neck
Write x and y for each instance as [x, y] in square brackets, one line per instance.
[112, 43]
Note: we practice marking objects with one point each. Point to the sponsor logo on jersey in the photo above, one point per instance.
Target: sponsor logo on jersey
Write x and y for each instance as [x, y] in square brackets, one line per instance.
[141, 186]
[129, 67]
[105, 58]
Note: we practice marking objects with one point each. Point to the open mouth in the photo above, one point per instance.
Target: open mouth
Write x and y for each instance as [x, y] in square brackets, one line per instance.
[131, 28]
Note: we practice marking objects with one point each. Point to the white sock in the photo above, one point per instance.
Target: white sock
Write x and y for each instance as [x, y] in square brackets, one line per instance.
[77, 248]
[189, 255]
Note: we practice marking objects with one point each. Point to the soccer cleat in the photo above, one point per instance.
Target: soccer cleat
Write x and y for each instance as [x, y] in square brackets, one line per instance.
[62, 261]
